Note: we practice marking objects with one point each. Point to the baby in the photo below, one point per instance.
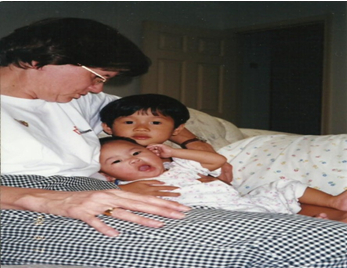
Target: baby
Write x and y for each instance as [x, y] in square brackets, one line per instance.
[128, 161]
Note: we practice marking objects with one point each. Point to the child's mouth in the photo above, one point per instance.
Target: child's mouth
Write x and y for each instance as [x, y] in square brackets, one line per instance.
[144, 167]
[140, 137]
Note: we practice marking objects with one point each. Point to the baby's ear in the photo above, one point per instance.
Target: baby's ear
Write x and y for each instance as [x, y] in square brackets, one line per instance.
[106, 128]
[178, 129]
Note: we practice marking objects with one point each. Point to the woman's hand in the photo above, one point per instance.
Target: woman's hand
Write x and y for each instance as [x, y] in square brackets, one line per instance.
[86, 205]
[149, 187]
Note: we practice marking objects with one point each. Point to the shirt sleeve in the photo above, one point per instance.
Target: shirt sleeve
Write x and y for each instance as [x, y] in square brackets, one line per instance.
[190, 164]
[91, 104]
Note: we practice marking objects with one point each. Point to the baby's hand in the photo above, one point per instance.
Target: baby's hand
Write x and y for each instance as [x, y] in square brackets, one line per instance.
[161, 150]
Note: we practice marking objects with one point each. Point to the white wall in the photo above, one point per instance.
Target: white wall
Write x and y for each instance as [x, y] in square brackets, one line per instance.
[128, 16]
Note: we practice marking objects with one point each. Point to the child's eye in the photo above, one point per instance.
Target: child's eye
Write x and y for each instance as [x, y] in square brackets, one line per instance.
[128, 122]
[115, 162]
[156, 123]
[137, 153]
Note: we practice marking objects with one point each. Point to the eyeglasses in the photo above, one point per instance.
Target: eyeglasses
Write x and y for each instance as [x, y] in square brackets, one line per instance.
[99, 79]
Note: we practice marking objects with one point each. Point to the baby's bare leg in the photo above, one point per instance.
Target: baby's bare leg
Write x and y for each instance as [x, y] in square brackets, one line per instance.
[323, 212]
[316, 197]
[340, 201]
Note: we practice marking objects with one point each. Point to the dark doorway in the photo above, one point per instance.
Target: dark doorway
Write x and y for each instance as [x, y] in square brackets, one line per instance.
[283, 78]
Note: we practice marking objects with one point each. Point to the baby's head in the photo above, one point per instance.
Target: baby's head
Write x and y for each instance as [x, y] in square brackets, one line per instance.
[146, 118]
[125, 159]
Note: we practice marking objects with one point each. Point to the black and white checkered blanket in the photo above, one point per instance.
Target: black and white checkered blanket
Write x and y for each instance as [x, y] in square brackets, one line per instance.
[206, 238]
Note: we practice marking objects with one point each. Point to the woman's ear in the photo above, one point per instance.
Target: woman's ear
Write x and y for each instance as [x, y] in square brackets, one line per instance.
[106, 128]
[178, 129]
[34, 64]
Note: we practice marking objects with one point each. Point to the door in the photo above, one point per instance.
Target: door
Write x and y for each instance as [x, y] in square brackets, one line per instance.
[297, 79]
[282, 78]
[193, 65]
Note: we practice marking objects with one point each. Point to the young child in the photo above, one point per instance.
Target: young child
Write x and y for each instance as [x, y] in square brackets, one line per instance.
[128, 161]
[146, 118]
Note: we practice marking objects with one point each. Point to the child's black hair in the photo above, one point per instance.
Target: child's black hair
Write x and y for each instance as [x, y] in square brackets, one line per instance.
[156, 103]
[116, 138]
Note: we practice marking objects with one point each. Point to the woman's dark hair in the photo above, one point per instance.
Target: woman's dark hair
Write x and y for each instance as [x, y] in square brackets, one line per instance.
[156, 103]
[59, 41]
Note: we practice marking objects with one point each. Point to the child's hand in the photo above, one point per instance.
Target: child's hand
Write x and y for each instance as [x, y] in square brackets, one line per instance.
[205, 179]
[227, 173]
[150, 187]
[161, 150]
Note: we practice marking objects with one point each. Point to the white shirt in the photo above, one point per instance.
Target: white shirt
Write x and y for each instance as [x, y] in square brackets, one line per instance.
[279, 196]
[49, 138]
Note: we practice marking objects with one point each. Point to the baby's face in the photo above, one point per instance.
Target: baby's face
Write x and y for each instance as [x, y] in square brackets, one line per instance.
[128, 161]
[144, 127]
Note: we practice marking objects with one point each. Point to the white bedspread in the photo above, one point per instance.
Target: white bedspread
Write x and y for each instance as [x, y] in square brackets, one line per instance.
[319, 161]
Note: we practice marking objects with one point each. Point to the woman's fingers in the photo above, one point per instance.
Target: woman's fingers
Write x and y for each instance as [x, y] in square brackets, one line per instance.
[129, 216]
[120, 214]
[119, 205]
[147, 208]
[100, 226]
[146, 202]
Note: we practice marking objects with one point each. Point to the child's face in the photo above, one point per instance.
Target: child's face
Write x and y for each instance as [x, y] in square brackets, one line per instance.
[144, 127]
[128, 161]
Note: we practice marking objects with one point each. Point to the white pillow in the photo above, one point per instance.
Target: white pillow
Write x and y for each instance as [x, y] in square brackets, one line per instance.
[216, 131]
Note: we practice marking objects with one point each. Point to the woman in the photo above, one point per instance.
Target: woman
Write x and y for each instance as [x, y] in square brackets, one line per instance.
[52, 74]
[44, 86]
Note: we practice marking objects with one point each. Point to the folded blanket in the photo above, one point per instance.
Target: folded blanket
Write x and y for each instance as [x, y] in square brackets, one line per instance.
[205, 238]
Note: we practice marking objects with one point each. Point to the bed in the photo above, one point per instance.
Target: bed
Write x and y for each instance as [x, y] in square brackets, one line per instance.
[286, 149]
[207, 238]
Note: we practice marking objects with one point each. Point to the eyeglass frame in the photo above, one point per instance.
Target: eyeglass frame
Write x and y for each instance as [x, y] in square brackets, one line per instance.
[103, 79]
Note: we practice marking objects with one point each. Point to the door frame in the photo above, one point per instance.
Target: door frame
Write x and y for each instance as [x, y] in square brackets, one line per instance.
[326, 79]
[193, 89]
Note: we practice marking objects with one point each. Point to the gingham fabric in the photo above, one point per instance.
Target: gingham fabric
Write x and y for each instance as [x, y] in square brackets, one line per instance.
[205, 238]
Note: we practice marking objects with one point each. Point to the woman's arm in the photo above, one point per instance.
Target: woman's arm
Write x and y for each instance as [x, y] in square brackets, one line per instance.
[85, 205]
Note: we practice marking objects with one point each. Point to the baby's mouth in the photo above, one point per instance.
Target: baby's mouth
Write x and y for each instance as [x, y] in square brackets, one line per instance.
[144, 167]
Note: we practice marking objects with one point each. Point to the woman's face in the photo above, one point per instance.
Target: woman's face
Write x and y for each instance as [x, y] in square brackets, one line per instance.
[62, 83]
[128, 161]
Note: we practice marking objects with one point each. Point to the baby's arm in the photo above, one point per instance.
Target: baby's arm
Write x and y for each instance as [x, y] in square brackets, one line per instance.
[209, 160]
